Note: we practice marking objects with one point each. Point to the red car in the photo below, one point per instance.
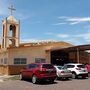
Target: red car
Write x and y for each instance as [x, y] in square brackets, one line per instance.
[39, 71]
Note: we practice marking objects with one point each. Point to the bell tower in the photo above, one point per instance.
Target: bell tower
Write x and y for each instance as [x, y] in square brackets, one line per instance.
[10, 31]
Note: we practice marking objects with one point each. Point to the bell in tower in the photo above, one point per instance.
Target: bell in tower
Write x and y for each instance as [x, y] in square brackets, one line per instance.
[10, 31]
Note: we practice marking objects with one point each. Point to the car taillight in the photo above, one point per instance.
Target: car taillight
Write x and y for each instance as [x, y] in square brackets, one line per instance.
[62, 72]
[42, 70]
[78, 68]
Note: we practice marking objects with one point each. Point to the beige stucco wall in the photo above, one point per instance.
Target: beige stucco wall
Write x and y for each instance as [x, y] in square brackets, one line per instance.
[28, 52]
[32, 52]
[3, 57]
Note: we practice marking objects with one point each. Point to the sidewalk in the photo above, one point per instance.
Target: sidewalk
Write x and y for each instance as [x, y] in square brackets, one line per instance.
[8, 77]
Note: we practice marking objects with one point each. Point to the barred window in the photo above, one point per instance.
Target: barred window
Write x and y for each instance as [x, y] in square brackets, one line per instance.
[5, 61]
[20, 61]
[1, 61]
[39, 60]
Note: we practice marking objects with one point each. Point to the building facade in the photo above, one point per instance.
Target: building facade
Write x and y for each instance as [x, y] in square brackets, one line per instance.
[15, 55]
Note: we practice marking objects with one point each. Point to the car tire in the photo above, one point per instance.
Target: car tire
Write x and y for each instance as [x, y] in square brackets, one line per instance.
[73, 75]
[67, 78]
[83, 77]
[34, 79]
[51, 80]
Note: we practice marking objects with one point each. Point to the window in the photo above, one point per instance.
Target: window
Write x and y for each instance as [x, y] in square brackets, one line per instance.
[81, 66]
[70, 66]
[59, 67]
[5, 61]
[32, 66]
[1, 61]
[39, 60]
[20, 61]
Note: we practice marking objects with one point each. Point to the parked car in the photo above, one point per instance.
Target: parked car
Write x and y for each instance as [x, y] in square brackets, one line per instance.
[77, 70]
[88, 68]
[63, 73]
[39, 71]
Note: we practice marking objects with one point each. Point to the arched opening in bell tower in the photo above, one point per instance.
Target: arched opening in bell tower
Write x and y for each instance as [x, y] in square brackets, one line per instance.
[12, 34]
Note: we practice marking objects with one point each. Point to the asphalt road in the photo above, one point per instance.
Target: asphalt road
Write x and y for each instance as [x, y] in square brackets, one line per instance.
[75, 84]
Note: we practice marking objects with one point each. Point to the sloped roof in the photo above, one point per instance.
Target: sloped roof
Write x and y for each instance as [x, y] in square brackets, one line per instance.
[73, 48]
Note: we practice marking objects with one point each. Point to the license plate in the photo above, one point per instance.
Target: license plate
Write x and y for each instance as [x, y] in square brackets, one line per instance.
[84, 70]
[49, 70]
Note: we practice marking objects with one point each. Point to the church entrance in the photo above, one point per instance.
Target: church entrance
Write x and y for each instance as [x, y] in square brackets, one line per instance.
[59, 57]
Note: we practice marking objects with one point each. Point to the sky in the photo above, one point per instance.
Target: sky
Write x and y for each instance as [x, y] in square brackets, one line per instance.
[50, 20]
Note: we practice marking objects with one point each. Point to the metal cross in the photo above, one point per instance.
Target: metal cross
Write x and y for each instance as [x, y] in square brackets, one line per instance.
[11, 8]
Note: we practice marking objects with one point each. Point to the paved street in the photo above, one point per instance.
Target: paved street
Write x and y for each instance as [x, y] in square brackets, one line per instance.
[80, 84]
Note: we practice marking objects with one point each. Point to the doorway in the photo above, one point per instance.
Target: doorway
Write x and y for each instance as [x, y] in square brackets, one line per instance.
[59, 57]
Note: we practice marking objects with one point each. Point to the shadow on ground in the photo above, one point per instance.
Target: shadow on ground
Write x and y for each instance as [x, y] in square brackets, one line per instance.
[41, 82]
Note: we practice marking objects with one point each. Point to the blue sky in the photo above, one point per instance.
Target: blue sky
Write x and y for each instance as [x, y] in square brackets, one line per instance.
[57, 20]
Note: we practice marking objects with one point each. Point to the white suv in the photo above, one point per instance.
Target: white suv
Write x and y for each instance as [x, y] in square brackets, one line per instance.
[77, 70]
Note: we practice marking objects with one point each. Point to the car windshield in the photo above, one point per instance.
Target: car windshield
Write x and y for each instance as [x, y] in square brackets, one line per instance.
[47, 66]
[59, 67]
[64, 67]
[81, 66]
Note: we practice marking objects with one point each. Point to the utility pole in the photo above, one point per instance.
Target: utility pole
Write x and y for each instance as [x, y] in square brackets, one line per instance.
[78, 57]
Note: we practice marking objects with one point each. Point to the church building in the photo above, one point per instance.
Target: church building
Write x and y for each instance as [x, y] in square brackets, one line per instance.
[15, 55]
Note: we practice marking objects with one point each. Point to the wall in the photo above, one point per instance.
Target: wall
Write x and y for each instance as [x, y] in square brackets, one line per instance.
[27, 52]
[4, 69]
[83, 57]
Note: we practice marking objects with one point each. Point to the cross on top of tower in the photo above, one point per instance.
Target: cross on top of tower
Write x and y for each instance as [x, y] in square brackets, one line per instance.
[11, 8]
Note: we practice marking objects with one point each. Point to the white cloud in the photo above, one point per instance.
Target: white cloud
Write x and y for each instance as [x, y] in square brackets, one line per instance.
[78, 20]
[58, 35]
[74, 20]
[63, 17]
[62, 35]
[36, 40]
[85, 36]
[28, 40]
[73, 41]
[59, 24]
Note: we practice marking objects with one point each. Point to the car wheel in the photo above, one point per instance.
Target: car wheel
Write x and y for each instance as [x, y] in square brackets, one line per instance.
[34, 79]
[51, 80]
[84, 77]
[73, 75]
[67, 78]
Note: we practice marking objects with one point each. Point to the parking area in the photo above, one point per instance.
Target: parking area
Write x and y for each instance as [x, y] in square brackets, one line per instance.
[74, 84]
